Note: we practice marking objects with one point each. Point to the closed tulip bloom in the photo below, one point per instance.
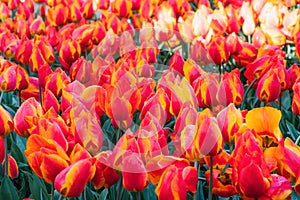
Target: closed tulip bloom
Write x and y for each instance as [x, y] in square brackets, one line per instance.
[122, 8]
[37, 26]
[24, 50]
[6, 122]
[28, 112]
[231, 89]
[105, 175]
[248, 160]
[217, 50]
[229, 120]
[268, 88]
[58, 15]
[208, 137]
[69, 51]
[13, 169]
[134, 173]
[71, 181]
[171, 185]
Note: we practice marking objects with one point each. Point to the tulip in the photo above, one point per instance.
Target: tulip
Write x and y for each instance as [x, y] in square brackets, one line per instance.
[53, 13]
[229, 120]
[46, 50]
[208, 137]
[75, 14]
[231, 89]
[6, 122]
[45, 157]
[105, 175]
[37, 60]
[83, 35]
[248, 160]
[56, 81]
[296, 99]
[268, 88]
[134, 173]
[293, 74]
[13, 169]
[49, 101]
[37, 26]
[171, 184]
[27, 114]
[246, 55]
[280, 188]
[24, 50]
[176, 63]
[69, 51]
[87, 10]
[71, 181]
[122, 8]
[265, 122]
[217, 50]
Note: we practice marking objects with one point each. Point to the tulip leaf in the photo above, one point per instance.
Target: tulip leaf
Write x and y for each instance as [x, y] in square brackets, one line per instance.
[17, 153]
[104, 194]
[295, 196]
[292, 130]
[37, 187]
[7, 189]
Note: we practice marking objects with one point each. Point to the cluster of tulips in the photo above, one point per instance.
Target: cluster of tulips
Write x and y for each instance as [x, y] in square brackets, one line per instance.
[176, 98]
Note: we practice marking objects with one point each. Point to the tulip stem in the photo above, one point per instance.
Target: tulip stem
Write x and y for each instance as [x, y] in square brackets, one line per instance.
[1, 96]
[52, 192]
[6, 156]
[210, 177]
[119, 189]
[40, 92]
[246, 93]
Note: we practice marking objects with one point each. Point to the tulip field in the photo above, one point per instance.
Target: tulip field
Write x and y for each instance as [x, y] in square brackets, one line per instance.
[149, 99]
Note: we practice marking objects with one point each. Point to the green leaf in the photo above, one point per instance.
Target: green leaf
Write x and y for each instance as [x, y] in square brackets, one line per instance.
[294, 133]
[17, 153]
[104, 194]
[8, 190]
[37, 187]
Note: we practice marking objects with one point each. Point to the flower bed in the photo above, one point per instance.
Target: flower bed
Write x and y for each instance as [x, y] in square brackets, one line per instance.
[150, 99]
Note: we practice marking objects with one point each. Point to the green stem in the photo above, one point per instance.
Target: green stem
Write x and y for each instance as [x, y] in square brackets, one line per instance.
[1, 96]
[52, 192]
[139, 196]
[210, 177]
[83, 195]
[40, 92]
[280, 101]
[119, 190]
[246, 93]
[6, 156]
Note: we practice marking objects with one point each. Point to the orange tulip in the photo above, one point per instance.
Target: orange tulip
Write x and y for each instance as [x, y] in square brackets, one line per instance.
[289, 162]
[45, 157]
[75, 14]
[246, 55]
[37, 60]
[265, 122]
[6, 122]
[231, 89]
[71, 181]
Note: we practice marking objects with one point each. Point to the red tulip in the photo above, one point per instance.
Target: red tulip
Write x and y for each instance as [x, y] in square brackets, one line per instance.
[217, 50]
[71, 181]
[69, 51]
[57, 15]
[231, 89]
[134, 173]
[296, 98]
[2, 150]
[122, 8]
